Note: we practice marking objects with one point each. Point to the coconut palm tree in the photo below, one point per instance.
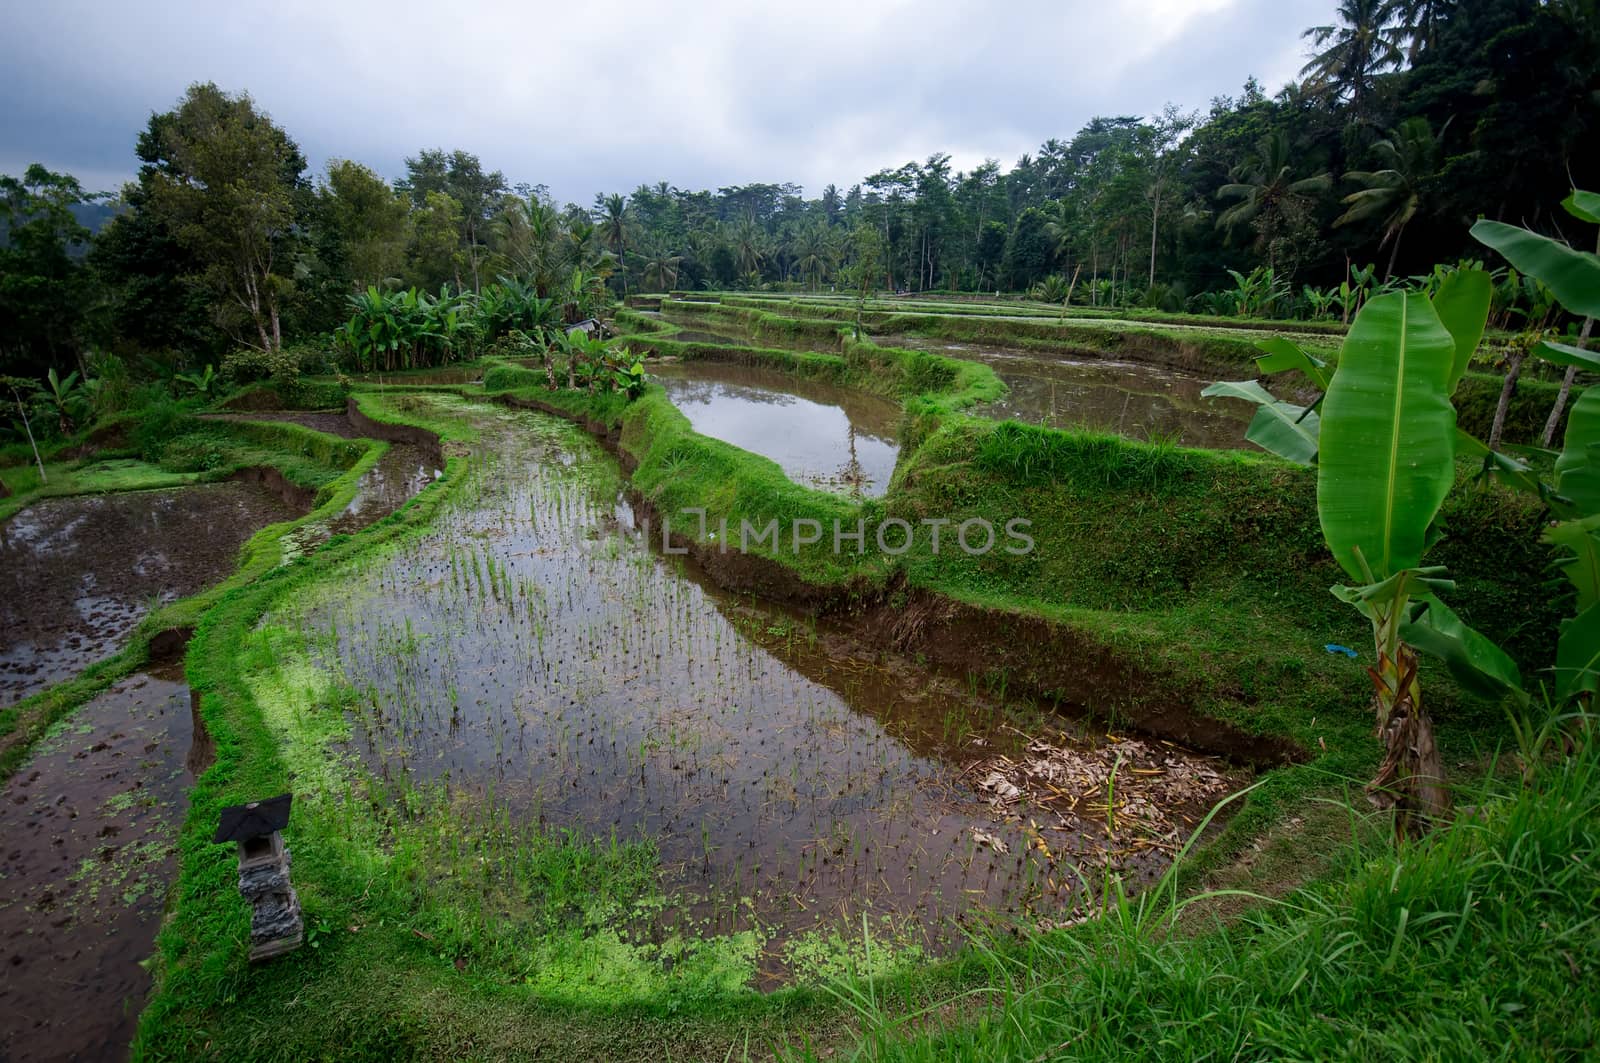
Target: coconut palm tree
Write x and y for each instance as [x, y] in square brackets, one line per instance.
[749, 246]
[1419, 22]
[813, 256]
[1354, 51]
[661, 269]
[1060, 225]
[1269, 195]
[1410, 158]
[612, 214]
[535, 243]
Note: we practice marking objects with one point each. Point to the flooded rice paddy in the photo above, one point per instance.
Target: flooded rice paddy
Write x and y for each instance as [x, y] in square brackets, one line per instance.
[834, 438]
[89, 826]
[1131, 399]
[78, 574]
[402, 471]
[532, 652]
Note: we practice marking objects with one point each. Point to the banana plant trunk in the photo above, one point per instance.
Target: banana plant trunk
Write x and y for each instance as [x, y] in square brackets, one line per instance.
[1410, 780]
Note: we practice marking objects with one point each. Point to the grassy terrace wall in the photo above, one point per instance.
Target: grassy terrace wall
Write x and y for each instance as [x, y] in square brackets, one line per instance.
[1218, 351]
[1222, 353]
[940, 304]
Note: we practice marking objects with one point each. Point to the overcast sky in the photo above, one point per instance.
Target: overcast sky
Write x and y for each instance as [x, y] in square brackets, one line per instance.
[602, 95]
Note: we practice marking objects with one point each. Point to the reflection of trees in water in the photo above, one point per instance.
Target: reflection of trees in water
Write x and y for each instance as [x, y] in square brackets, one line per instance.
[709, 392]
[852, 474]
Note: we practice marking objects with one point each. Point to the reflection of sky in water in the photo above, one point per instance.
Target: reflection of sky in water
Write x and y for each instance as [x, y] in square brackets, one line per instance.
[815, 443]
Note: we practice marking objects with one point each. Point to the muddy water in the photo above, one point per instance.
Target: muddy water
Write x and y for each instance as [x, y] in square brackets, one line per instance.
[77, 574]
[89, 825]
[834, 438]
[1131, 399]
[534, 650]
[402, 471]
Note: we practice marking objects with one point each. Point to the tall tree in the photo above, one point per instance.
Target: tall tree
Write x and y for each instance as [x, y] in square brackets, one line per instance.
[611, 212]
[1409, 159]
[461, 176]
[225, 181]
[43, 282]
[368, 219]
[1271, 200]
[1362, 44]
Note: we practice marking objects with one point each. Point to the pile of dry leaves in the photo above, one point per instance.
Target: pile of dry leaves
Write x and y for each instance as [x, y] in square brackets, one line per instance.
[1116, 799]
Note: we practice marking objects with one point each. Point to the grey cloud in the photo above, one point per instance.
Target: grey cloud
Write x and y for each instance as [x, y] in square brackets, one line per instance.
[605, 96]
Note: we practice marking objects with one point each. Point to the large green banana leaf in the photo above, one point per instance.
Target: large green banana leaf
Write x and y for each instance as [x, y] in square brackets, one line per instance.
[1585, 206]
[1283, 354]
[1475, 662]
[1462, 303]
[1283, 428]
[1578, 654]
[1581, 563]
[1574, 276]
[1578, 468]
[1561, 354]
[1387, 449]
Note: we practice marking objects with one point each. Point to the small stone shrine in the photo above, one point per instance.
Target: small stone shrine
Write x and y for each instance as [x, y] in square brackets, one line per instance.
[275, 924]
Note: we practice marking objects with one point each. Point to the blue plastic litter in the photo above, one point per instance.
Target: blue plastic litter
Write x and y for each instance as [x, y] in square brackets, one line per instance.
[1334, 647]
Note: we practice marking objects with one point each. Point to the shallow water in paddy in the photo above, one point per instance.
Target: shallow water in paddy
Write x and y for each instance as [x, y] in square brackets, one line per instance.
[823, 436]
[1129, 398]
[533, 649]
[78, 574]
[90, 824]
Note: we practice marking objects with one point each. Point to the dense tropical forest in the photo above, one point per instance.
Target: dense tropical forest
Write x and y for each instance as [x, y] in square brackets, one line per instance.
[1138, 602]
[1410, 121]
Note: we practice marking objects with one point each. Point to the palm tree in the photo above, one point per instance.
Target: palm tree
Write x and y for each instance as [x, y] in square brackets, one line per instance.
[1355, 50]
[1269, 194]
[813, 256]
[748, 244]
[1060, 223]
[663, 268]
[612, 214]
[533, 240]
[1419, 22]
[1410, 158]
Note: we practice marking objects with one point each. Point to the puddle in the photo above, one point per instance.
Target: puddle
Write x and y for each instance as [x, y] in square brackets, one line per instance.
[1128, 398]
[77, 574]
[90, 824]
[532, 652]
[823, 436]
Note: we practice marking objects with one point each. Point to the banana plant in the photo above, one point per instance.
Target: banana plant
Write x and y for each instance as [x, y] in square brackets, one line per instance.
[1385, 462]
[1383, 439]
[199, 383]
[1573, 277]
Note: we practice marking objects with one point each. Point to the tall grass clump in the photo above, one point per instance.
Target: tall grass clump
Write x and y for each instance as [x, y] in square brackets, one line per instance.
[1029, 454]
